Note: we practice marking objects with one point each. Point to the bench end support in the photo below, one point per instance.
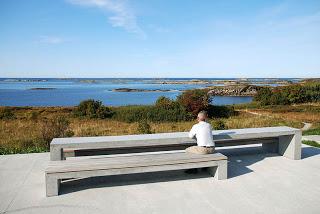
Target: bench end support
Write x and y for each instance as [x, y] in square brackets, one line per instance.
[220, 172]
[290, 146]
[52, 185]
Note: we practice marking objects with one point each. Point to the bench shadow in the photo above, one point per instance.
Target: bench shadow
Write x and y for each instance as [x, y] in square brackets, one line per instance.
[309, 151]
[238, 161]
[76, 185]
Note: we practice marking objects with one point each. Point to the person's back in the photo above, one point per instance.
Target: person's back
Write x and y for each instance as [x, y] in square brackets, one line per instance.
[202, 131]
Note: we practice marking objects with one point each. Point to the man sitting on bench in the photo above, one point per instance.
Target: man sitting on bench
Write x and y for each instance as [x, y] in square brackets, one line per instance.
[202, 132]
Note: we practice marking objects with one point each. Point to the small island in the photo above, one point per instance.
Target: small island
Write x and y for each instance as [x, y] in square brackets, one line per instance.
[140, 90]
[234, 90]
[241, 81]
[42, 88]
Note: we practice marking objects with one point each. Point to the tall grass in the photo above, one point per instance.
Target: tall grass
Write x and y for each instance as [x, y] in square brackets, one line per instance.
[24, 133]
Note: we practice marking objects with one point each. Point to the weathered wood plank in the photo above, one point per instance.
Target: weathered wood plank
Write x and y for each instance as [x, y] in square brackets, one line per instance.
[130, 161]
[172, 138]
[130, 164]
[167, 141]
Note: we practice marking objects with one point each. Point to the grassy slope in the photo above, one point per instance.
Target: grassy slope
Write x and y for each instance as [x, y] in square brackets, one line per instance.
[296, 113]
[23, 134]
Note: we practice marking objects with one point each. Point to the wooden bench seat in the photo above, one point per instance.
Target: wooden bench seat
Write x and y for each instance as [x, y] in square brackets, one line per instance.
[129, 164]
[284, 140]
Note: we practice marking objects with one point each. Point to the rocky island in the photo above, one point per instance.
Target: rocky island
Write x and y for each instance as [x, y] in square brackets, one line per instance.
[228, 90]
[236, 90]
[42, 88]
[241, 81]
[140, 90]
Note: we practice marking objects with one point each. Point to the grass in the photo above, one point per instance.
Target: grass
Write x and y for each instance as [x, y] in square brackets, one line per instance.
[23, 133]
[311, 143]
[298, 113]
[246, 120]
[315, 129]
[14, 150]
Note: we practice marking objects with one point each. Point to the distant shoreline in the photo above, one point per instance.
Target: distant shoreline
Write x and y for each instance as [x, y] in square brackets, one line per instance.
[42, 89]
[142, 90]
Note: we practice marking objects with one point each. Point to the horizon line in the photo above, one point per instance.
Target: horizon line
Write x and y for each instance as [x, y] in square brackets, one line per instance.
[159, 77]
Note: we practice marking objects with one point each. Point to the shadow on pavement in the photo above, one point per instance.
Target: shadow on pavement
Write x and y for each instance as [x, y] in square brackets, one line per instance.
[239, 160]
[307, 152]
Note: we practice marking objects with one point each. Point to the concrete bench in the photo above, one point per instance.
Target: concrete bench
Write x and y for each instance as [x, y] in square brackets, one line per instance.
[283, 140]
[129, 164]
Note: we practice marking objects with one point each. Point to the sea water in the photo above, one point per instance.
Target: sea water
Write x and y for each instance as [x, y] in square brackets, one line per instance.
[69, 92]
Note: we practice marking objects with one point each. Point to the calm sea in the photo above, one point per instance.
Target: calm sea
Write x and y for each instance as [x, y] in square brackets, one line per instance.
[69, 92]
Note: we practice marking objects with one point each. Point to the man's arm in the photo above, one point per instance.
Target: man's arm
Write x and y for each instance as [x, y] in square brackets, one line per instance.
[192, 133]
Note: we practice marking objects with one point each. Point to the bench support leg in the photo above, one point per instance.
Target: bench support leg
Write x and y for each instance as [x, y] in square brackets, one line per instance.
[270, 147]
[52, 185]
[290, 146]
[56, 153]
[220, 172]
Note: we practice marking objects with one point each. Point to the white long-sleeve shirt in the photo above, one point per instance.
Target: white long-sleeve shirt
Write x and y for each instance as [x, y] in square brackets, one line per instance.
[203, 132]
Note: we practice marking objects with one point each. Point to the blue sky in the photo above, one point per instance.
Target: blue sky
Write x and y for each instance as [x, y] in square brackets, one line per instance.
[159, 38]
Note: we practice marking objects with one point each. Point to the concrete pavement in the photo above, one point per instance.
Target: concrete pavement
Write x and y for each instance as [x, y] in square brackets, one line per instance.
[257, 183]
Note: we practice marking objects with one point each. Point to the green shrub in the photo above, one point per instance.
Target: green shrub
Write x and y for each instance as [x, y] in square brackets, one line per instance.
[7, 114]
[221, 111]
[279, 98]
[144, 127]
[92, 109]
[263, 95]
[218, 124]
[166, 110]
[56, 127]
[292, 94]
[164, 102]
[195, 100]
[156, 113]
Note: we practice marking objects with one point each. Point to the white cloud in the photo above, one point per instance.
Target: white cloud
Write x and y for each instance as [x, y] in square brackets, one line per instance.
[51, 40]
[122, 15]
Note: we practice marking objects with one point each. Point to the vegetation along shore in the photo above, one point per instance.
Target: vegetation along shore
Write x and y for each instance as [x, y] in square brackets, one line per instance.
[30, 129]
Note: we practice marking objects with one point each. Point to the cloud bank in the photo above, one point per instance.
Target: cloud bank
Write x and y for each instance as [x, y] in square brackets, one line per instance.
[122, 15]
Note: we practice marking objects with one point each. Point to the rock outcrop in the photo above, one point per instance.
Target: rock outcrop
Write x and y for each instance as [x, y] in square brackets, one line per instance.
[234, 90]
[140, 90]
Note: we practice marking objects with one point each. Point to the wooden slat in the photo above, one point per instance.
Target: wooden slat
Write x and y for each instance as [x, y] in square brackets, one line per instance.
[130, 161]
[141, 169]
[166, 141]
[152, 148]
[247, 133]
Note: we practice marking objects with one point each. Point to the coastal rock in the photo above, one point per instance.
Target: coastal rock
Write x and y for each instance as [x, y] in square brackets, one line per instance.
[88, 81]
[139, 90]
[42, 88]
[25, 80]
[191, 82]
[235, 90]
[226, 82]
